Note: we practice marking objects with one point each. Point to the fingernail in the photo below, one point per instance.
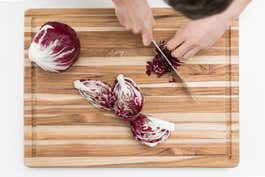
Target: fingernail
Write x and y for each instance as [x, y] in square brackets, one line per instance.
[145, 42]
[168, 47]
[173, 55]
[182, 59]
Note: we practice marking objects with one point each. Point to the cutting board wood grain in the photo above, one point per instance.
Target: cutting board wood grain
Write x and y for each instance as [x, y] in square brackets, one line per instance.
[64, 130]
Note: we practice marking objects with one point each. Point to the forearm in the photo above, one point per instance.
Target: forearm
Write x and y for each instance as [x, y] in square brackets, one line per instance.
[235, 9]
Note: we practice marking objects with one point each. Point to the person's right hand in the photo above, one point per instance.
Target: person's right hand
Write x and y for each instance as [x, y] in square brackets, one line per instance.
[136, 16]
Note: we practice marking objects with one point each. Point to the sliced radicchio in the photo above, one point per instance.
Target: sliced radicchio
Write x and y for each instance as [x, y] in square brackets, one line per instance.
[96, 92]
[129, 99]
[159, 65]
[150, 131]
[55, 47]
[126, 101]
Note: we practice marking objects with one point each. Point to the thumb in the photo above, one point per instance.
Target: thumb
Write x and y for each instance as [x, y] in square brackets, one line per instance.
[147, 37]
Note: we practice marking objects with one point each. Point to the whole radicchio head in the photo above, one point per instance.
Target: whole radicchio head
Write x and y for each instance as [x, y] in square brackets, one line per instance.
[129, 99]
[55, 47]
[150, 131]
[98, 93]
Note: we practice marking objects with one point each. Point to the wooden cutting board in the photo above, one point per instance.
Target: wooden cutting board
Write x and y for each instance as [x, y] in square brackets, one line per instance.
[64, 130]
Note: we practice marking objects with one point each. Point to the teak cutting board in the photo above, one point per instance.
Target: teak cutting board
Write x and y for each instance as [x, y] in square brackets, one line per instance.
[64, 130]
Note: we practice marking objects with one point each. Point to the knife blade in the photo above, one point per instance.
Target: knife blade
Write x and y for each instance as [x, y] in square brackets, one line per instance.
[175, 72]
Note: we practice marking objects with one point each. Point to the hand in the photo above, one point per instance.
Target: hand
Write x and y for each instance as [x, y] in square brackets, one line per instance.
[136, 16]
[197, 35]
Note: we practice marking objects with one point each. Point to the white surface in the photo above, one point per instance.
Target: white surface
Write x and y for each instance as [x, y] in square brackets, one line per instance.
[252, 97]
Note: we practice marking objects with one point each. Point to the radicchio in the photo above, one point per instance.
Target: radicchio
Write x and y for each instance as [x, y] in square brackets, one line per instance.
[126, 101]
[55, 47]
[129, 99]
[150, 131]
[159, 65]
[96, 92]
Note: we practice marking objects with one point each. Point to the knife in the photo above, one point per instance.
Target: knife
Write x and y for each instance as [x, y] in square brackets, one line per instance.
[175, 72]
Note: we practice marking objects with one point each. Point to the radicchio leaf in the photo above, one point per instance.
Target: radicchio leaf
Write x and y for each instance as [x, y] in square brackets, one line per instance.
[158, 65]
[55, 47]
[149, 130]
[98, 93]
[129, 99]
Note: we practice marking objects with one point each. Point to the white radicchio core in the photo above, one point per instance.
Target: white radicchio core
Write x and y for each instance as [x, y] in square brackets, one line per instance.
[129, 99]
[98, 93]
[150, 131]
[55, 47]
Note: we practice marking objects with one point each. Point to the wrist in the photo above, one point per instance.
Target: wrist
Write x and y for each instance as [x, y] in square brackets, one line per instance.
[229, 15]
[234, 10]
[226, 18]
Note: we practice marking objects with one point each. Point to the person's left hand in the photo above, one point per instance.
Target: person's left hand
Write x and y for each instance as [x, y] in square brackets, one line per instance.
[197, 35]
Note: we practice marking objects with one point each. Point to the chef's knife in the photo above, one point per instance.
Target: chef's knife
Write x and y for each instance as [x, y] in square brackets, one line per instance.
[176, 75]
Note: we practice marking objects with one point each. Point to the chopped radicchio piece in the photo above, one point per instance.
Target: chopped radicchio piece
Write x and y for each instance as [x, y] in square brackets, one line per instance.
[159, 65]
[55, 47]
[150, 131]
[129, 99]
[98, 93]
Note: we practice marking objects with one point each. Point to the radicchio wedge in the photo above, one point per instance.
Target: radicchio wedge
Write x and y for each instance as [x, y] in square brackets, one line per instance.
[55, 47]
[126, 100]
[129, 99]
[150, 131]
[98, 93]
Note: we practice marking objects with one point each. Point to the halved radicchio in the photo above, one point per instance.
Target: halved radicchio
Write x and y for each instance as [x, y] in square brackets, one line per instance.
[98, 93]
[126, 101]
[150, 131]
[129, 99]
[159, 65]
[55, 47]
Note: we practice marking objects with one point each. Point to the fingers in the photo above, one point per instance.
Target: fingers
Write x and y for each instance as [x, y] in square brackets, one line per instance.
[147, 37]
[191, 53]
[136, 29]
[180, 51]
[175, 42]
[146, 30]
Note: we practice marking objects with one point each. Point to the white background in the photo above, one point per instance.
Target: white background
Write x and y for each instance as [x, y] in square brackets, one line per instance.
[252, 96]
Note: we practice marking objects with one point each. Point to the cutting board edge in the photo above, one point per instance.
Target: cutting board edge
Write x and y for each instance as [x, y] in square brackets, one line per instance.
[224, 163]
[203, 162]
